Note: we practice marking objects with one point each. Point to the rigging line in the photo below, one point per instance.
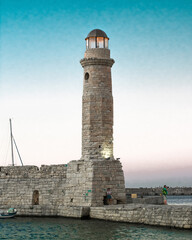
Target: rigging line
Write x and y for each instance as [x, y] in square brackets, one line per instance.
[17, 150]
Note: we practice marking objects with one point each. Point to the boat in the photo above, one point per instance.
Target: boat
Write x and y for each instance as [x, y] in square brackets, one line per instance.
[14, 142]
[10, 213]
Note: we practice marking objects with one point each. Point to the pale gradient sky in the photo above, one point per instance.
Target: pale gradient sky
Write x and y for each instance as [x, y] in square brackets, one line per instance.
[41, 82]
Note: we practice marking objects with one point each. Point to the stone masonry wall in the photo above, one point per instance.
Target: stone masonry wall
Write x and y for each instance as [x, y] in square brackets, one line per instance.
[102, 53]
[164, 215]
[17, 185]
[87, 182]
[108, 174]
[78, 183]
[97, 109]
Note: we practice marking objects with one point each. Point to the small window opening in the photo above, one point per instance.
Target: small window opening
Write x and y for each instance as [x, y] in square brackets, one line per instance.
[71, 199]
[78, 167]
[86, 77]
[99, 146]
[35, 200]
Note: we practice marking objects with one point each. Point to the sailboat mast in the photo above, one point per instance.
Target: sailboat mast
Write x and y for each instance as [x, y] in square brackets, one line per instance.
[12, 155]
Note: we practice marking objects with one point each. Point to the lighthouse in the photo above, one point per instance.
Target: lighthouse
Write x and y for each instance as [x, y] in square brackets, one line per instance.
[97, 100]
[88, 179]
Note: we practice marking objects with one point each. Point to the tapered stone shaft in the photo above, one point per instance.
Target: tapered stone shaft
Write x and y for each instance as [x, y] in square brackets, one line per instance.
[97, 109]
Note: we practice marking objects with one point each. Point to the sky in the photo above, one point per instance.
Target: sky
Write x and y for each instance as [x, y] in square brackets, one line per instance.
[41, 83]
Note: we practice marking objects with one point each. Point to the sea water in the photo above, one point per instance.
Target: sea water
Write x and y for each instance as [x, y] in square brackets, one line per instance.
[179, 200]
[36, 228]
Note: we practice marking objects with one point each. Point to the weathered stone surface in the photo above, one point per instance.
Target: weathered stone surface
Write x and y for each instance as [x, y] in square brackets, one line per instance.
[78, 183]
[97, 112]
[102, 53]
[87, 184]
[17, 184]
[164, 215]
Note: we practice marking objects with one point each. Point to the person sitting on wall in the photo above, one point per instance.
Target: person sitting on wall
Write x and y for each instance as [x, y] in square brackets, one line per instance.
[109, 197]
[164, 190]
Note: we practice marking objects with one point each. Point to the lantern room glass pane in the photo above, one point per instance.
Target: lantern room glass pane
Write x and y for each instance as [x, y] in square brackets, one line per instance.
[106, 43]
[92, 42]
[87, 43]
[100, 42]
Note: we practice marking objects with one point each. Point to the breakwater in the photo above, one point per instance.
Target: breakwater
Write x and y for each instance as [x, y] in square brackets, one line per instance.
[158, 215]
[172, 191]
[164, 215]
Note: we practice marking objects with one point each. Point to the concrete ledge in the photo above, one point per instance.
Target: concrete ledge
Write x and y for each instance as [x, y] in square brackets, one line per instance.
[157, 200]
[165, 215]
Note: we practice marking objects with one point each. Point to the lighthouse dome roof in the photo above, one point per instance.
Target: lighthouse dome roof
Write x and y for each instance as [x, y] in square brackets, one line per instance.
[97, 33]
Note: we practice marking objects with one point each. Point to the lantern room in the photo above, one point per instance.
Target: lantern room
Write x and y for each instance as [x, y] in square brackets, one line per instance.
[97, 39]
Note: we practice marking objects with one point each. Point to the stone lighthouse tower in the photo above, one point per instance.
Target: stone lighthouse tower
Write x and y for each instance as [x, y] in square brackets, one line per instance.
[88, 179]
[97, 110]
